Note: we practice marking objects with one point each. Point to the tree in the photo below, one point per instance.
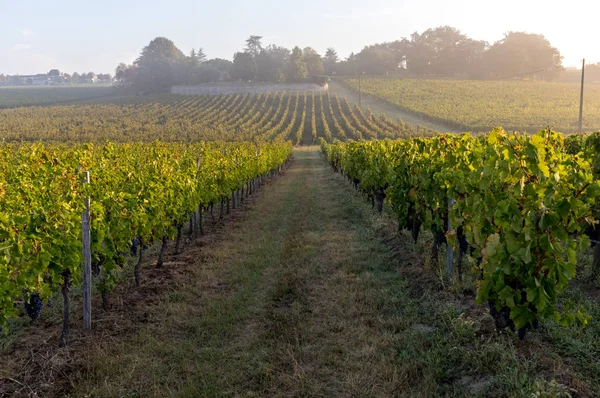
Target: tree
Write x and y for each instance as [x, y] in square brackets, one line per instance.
[376, 60]
[223, 66]
[160, 66]
[201, 55]
[330, 61]
[254, 46]
[125, 75]
[271, 63]
[313, 61]
[193, 59]
[297, 67]
[244, 66]
[443, 51]
[104, 77]
[522, 54]
[75, 78]
[207, 74]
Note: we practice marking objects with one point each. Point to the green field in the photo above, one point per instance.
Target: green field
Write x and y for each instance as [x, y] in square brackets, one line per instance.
[482, 105]
[11, 97]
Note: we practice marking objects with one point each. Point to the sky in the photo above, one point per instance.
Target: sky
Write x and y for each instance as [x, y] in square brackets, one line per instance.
[83, 36]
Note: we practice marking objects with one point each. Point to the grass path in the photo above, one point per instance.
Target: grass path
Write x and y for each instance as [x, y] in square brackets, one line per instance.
[287, 304]
[303, 295]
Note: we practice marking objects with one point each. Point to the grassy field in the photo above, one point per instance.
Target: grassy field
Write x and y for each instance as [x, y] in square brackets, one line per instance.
[482, 105]
[310, 293]
[12, 97]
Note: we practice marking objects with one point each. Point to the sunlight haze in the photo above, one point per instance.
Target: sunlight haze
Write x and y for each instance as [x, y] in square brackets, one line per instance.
[36, 36]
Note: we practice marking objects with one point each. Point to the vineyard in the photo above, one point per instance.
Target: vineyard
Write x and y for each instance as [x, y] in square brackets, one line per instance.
[117, 186]
[481, 106]
[12, 97]
[300, 118]
[139, 194]
[522, 206]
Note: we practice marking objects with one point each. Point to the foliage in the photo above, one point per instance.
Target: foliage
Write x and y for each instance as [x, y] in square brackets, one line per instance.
[244, 66]
[482, 105]
[522, 202]
[143, 191]
[297, 70]
[160, 66]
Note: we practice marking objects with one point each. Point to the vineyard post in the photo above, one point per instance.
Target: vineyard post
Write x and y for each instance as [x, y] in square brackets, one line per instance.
[86, 238]
[449, 251]
[198, 212]
[581, 98]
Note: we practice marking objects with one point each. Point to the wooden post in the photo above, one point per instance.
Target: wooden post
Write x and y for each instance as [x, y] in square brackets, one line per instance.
[198, 212]
[449, 251]
[86, 239]
[581, 98]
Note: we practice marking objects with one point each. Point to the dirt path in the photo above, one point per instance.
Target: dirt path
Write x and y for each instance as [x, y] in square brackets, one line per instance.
[285, 305]
[393, 112]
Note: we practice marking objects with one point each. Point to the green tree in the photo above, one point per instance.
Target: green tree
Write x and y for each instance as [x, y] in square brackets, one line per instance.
[201, 55]
[376, 60]
[443, 51]
[224, 66]
[297, 67]
[271, 63]
[330, 61]
[125, 75]
[522, 54]
[160, 66]
[313, 61]
[254, 45]
[244, 66]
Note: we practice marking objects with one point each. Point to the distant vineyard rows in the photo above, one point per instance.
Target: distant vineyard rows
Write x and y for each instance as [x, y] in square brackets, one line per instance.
[301, 118]
[480, 106]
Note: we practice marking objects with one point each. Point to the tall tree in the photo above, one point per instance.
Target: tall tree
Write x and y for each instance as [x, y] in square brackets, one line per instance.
[201, 55]
[271, 63]
[224, 66]
[522, 54]
[193, 59]
[297, 68]
[376, 60]
[313, 61]
[161, 65]
[254, 45]
[443, 51]
[330, 61]
[244, 66]
[125, 75]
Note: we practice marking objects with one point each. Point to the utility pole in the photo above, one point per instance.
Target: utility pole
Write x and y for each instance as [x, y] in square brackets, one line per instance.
[581, 98]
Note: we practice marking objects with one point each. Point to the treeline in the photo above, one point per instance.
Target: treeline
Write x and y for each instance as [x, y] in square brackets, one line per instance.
[447, 52]
[162, 65]
[437, 52]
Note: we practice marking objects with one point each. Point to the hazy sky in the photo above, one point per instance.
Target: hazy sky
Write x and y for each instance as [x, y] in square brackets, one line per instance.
[36, 36]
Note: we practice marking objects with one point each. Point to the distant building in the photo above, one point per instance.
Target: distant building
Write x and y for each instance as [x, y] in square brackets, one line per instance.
[53, 78]
[35, 80]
